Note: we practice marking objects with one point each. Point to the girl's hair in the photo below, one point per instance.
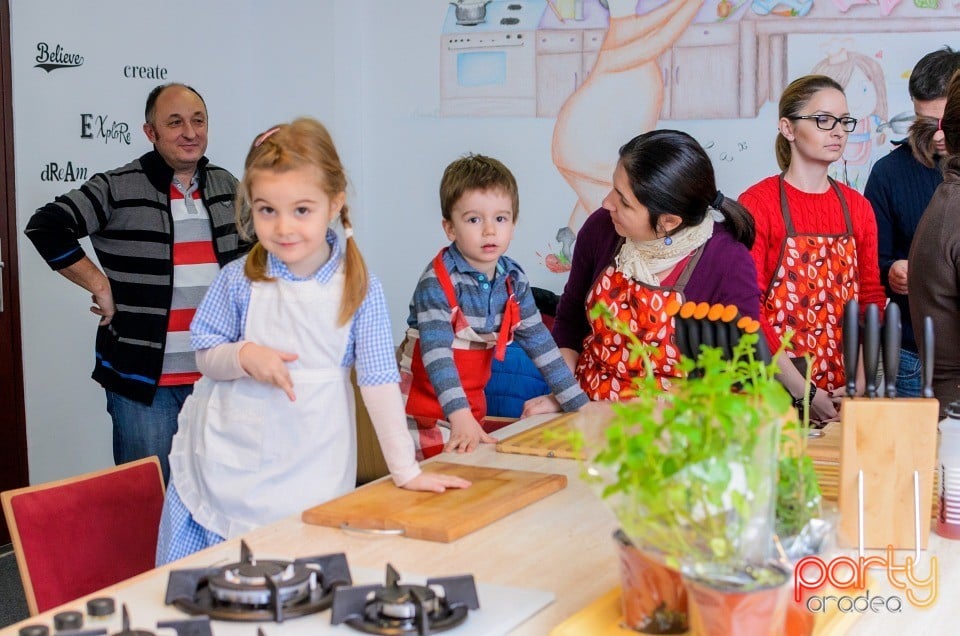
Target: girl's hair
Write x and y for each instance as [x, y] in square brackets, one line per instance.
[951, 125]
[670, 173]
[794, 99]
[303, 143]
[841, 68]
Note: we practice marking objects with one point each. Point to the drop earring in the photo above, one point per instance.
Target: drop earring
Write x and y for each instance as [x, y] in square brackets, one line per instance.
[667, 240]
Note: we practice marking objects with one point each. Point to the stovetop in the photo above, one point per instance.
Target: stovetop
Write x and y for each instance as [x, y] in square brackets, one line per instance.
[502, 15]
[501, 609]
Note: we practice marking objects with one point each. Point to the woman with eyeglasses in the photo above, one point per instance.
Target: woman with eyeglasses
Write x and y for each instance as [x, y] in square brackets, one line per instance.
[816, 245]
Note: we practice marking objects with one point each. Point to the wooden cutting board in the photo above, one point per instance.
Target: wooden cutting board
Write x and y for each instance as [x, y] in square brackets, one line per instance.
[544, 440]
[444, 517]
[604, 617]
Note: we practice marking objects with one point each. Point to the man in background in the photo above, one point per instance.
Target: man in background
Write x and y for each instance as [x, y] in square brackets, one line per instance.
[161, 227]
[900, 187]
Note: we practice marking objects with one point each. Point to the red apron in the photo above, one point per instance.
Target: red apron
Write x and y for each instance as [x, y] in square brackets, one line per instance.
[815, 277]
[604, 369]
[473, 355]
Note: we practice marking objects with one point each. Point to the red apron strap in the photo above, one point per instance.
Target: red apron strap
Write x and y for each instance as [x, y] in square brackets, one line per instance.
[511, 317]
[443, 277]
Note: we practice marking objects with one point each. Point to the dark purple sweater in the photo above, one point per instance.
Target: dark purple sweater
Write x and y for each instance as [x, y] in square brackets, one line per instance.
[725, 274]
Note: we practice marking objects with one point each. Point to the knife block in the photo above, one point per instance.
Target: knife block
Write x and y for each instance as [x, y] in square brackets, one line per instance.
[888, 439]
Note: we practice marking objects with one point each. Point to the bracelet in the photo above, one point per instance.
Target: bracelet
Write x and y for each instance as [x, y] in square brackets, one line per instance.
[798, 402]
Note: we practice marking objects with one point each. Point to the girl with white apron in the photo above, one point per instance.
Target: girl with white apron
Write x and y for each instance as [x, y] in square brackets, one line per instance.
[270, 429]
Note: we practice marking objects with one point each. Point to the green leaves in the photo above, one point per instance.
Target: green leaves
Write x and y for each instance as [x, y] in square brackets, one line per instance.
[691, 471]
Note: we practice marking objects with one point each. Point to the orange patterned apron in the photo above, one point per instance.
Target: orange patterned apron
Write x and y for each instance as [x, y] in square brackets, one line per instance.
[816, 275]
[473, 355]
[604, 368]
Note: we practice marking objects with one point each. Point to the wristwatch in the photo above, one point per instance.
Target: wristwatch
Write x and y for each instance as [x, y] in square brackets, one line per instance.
[798, 402]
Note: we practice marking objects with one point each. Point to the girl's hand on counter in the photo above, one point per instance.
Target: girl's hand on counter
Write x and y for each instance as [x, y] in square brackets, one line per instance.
[436, 482]
[466, 433]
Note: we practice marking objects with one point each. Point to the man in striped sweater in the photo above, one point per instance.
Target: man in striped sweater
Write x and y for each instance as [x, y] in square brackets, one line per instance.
[161, 227]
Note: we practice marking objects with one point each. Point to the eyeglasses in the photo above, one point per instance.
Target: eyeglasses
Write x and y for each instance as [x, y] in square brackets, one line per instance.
[829, 122]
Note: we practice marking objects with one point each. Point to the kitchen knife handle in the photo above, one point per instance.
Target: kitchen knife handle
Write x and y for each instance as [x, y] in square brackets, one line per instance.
[707, 336]
[680, 336]
[871, 347]
[892, 332]
[851, 344]
[928, 350]
[723, 339]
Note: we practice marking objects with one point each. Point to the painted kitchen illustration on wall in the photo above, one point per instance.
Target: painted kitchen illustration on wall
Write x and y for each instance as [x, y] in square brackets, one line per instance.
[611, 69]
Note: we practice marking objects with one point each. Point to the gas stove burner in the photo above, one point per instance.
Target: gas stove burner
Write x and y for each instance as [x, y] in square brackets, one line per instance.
[252, 590]
[400, 609]
[194, 626]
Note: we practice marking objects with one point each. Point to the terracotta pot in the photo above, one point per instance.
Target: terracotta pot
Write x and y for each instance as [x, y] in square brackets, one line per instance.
[654, 600]
[800, 621]
[721, 611]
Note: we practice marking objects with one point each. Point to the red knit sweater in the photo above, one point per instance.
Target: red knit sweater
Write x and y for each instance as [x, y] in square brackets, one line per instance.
[812, 214]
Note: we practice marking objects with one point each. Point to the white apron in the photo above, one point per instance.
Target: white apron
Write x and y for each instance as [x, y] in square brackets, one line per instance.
[245, 455]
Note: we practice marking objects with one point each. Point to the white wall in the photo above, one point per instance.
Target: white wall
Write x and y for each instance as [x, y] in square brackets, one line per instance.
[255, 63]
[369, 69]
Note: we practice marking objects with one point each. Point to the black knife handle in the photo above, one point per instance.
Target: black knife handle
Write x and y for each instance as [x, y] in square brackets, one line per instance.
[680, 333]
[708, 337]
[871, 347]
[851, 344]
[928, 349]
[892, 332]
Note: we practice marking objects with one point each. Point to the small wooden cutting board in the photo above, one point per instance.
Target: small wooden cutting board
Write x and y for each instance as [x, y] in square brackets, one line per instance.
[549, 439]
[443, 517]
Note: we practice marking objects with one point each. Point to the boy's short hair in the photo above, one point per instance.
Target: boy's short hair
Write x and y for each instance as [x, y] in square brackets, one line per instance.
[929, 78]
[476, 172]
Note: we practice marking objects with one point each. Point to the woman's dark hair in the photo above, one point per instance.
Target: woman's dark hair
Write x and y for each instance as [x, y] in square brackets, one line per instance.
[670, 173]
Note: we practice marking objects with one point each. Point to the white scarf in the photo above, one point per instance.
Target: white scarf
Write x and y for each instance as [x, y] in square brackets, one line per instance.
[643, 260]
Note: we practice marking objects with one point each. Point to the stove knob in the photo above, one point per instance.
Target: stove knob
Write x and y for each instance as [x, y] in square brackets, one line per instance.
[67, 620]
[102, 606]
[35, 630]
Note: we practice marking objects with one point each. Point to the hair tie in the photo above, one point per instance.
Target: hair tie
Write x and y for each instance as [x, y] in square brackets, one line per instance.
[717, 201]
[348, 232]
[264, 136]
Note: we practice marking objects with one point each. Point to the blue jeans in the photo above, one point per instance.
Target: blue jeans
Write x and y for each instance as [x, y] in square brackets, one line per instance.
[141, 431]
[909, 378]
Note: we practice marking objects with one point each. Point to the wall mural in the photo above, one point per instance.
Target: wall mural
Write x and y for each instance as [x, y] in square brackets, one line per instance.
[610, 69]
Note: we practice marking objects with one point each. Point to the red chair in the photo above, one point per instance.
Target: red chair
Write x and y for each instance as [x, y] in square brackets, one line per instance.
[75, 536]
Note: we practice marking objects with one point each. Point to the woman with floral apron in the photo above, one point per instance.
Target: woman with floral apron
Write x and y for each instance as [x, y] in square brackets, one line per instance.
[816, 243]
[664, 233]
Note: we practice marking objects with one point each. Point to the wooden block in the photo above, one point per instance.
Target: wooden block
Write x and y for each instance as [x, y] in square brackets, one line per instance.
[444, 517]
[888, 439]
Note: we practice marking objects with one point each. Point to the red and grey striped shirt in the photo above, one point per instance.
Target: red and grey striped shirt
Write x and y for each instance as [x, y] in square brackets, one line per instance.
[194, 268]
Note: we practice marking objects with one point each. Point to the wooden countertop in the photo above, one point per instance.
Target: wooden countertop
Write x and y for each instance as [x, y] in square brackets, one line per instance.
[561, 544]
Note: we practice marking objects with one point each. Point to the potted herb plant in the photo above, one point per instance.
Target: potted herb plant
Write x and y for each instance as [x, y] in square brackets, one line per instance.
[691, 474]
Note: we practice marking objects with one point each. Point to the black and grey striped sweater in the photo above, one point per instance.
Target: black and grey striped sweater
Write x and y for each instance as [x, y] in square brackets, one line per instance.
[126, 214]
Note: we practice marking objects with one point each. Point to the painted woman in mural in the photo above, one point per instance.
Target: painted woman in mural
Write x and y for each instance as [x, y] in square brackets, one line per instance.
[621, 98]
[863, 81]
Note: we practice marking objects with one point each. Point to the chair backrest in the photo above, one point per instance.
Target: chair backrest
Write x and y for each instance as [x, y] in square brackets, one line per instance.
[75, 536]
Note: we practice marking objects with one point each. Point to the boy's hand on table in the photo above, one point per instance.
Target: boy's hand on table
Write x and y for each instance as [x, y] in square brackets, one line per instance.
[540, 404]
[269, 366]
[466, 433]
[435, 482]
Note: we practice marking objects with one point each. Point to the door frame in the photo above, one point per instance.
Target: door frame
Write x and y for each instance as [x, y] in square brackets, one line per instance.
[14, 471]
